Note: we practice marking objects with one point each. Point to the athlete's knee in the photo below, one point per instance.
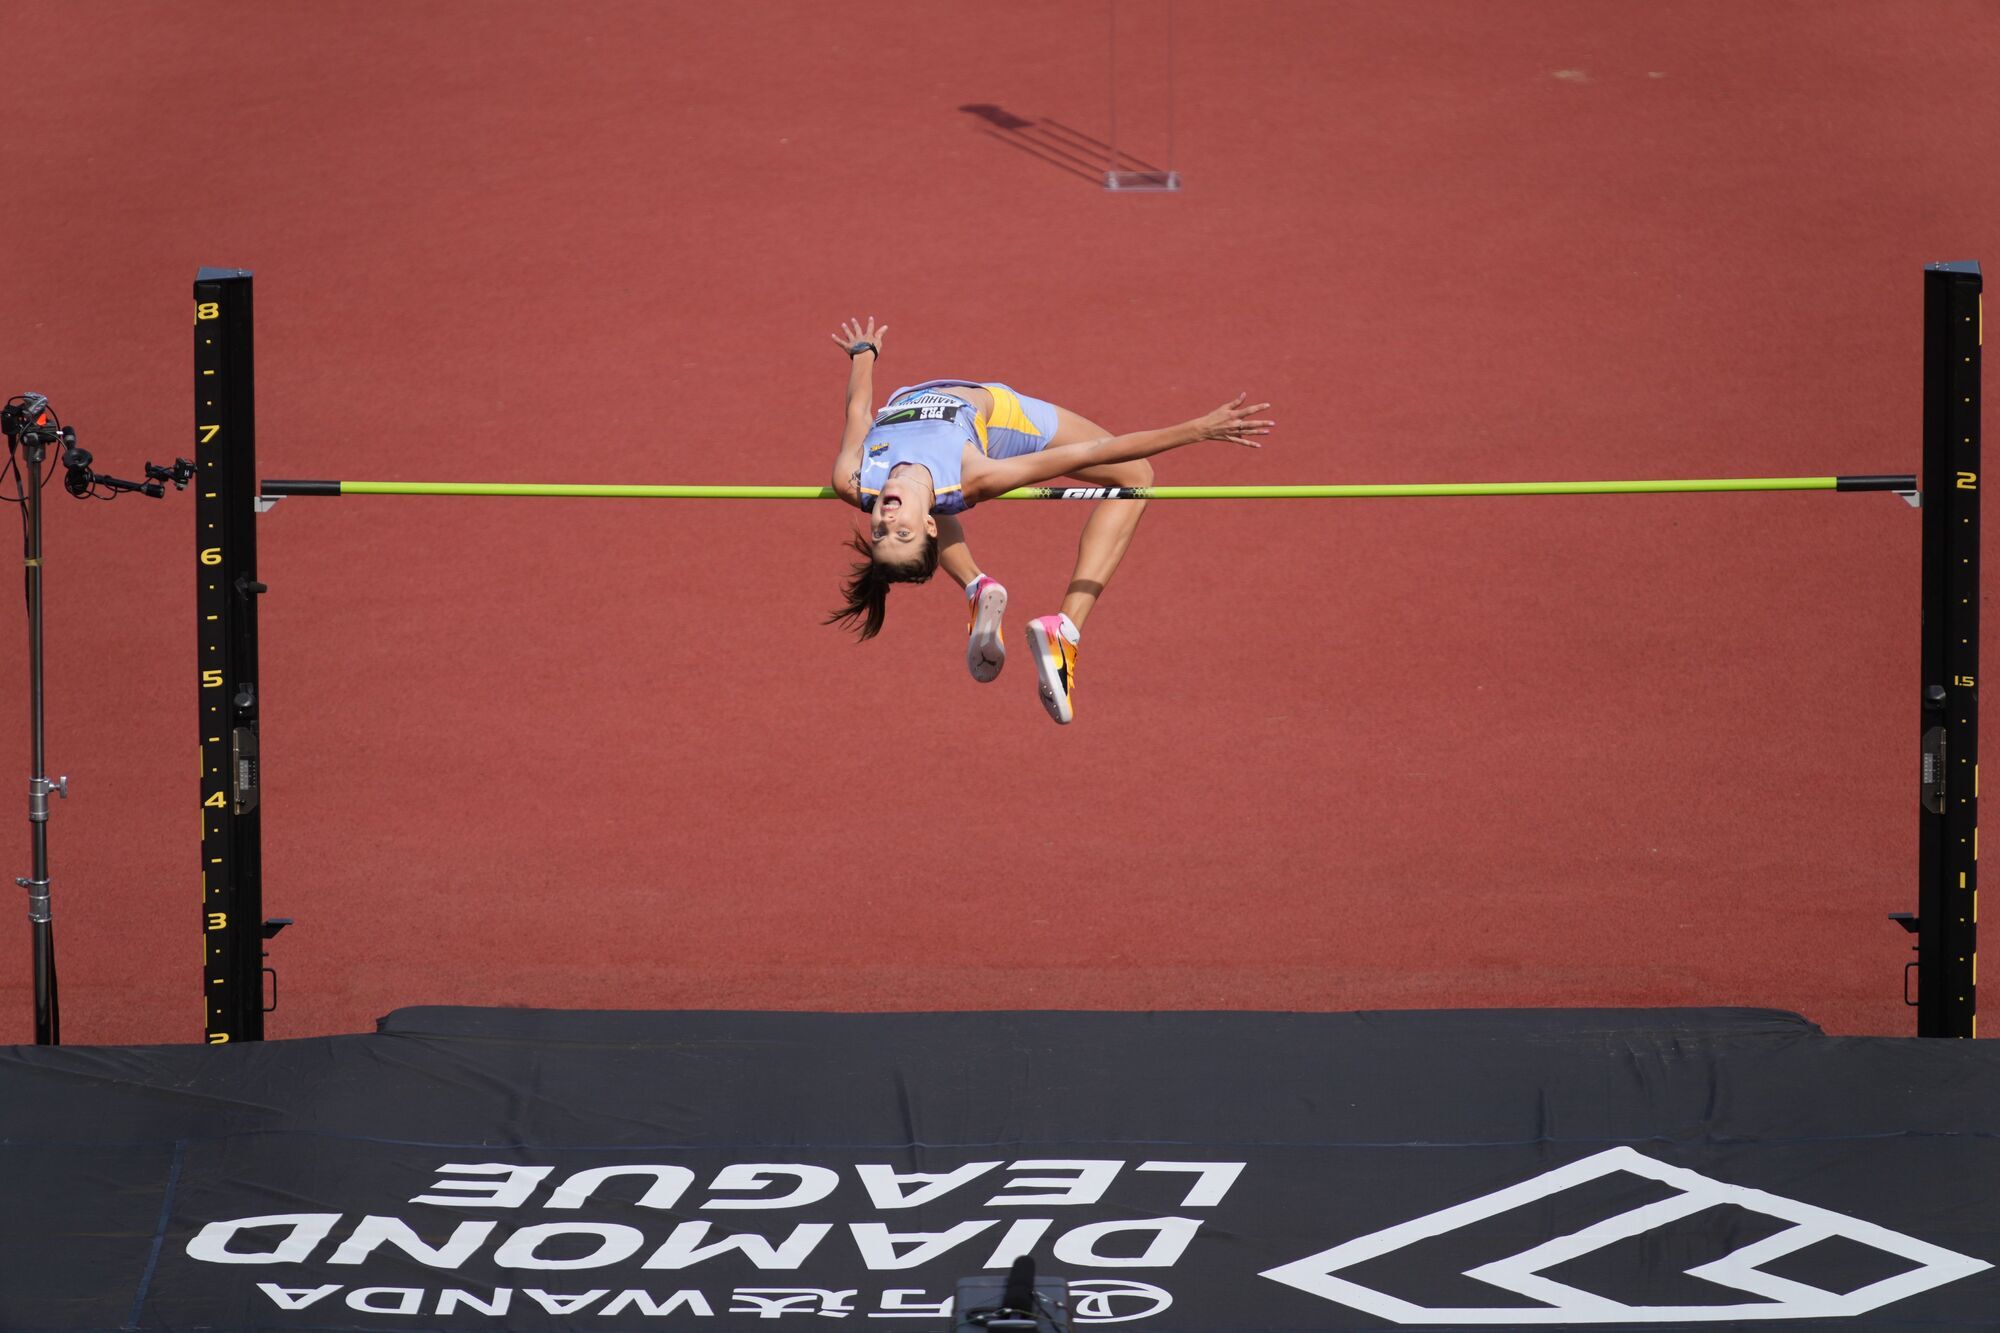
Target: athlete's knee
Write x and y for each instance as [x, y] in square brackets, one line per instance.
[1142, 472]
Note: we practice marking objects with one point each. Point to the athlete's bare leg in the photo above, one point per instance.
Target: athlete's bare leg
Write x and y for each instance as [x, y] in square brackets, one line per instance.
[954, 556]
[1109, 529]
[985, 648]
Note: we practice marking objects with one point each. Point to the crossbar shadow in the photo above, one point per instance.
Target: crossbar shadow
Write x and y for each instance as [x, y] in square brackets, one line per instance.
[1061, 146]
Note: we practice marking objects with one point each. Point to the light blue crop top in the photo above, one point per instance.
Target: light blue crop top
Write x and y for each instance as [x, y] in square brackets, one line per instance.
[928, 428]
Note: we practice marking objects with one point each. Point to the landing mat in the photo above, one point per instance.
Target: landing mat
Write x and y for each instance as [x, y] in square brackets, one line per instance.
[536, 1170]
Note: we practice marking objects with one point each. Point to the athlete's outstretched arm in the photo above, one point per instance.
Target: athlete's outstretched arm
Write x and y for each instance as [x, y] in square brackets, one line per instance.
[860, 405]
[1232, 421]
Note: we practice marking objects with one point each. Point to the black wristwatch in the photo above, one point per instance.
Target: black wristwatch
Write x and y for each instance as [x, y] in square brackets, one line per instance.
[859, 348]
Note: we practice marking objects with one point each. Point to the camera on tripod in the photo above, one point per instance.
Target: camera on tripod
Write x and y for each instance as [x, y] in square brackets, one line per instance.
[27, 422]
[26, 418]
[32, 428]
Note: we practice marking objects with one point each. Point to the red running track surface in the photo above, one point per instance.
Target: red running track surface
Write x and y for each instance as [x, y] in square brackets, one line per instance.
[1647, 750]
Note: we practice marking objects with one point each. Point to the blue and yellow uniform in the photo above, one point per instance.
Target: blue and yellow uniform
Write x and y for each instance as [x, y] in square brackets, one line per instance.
[931, 427]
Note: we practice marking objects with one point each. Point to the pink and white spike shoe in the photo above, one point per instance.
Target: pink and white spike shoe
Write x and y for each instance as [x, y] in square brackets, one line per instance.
[1055, 665]
[985, 644]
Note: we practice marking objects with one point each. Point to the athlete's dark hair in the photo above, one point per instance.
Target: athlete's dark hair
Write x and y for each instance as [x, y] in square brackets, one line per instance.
[868, 585]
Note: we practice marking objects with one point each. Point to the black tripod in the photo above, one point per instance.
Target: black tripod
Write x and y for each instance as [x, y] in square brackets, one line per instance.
[31, 428]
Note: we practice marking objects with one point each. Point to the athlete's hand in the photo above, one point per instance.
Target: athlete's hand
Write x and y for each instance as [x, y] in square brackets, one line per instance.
[853, 331]
[1235, 423]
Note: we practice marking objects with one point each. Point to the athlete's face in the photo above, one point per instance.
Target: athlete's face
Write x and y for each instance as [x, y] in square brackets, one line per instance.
[901, 520]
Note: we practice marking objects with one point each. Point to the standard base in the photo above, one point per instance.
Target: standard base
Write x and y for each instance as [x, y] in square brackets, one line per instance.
[1142, 180]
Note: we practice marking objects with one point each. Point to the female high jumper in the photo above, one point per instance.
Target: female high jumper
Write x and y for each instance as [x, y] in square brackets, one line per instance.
[940, 447]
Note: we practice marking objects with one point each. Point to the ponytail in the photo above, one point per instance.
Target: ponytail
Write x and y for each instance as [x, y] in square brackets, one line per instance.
[868, 583]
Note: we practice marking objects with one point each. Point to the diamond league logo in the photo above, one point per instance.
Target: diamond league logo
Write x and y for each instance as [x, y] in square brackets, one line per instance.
[1743, 1270]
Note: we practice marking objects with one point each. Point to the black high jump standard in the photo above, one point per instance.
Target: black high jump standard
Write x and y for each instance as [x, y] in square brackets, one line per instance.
[234, 928]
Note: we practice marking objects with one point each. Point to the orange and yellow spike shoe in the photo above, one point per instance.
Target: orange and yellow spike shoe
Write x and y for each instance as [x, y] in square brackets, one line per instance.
[1055, 666]
[985, 643]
